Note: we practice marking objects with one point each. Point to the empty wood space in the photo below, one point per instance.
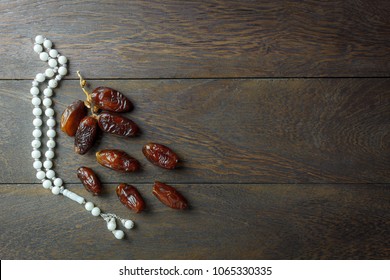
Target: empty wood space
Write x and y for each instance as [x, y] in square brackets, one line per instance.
[278, 110]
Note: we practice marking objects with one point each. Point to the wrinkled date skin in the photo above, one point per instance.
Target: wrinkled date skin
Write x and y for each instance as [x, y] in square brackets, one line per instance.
[169, 196]
[117, 160]
[118, 125]
[89, 179]
[160, 155]
[72, 116]
[130, 197]
[110, 99]
[86, 135]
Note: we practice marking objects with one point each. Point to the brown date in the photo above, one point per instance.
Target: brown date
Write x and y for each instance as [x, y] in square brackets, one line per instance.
[89, 179]
[160, 155]
[118, 125]
[72, 116]
[117, 160]
[169, 196]
[130, 197]
[110, 99]
[86, 135]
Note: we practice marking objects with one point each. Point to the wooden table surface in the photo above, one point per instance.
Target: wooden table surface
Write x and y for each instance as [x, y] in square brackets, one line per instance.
[279, 111]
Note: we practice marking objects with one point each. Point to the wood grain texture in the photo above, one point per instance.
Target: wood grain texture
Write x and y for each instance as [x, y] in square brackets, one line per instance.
[241, 131]
[192, 39]
[279, 111]
[225, 222]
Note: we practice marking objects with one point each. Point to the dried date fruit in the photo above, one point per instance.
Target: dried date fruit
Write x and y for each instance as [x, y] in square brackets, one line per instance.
[110, 99]
[118, 125]
[130, 197]
[72, 116]
[117, 160]
[160, 155]
[169, 196]
[89, 179]
[86, 135]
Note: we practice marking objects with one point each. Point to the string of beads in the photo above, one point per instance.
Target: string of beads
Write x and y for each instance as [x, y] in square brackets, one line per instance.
[43, 109]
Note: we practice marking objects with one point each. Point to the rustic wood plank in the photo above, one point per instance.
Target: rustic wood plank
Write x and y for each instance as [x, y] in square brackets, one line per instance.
[225, 222]
[248, 131]
[216, 38]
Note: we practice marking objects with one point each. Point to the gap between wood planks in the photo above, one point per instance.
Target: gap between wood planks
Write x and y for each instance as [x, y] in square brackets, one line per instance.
[215, 183]
[214, 78]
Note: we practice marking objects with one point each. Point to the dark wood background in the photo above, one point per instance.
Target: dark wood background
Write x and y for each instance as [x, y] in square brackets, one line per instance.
[279, 110]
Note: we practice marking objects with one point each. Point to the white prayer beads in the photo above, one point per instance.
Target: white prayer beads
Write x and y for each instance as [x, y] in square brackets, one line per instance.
[53, 75]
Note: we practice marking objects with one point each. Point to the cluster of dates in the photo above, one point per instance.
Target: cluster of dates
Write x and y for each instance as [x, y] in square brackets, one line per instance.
[106, 104]
[129, 195]
[76, 122]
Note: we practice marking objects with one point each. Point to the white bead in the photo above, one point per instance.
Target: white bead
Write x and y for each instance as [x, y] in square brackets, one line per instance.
[129, 224]
[36, 101]
[37, 164]
[52, 62]
[37, 122]
[49, 72]
[49, 112]
[62, 59]
[47, 102]
[39, 39]
[34, 90]
[34, 83]
[37, 111]
[53, 83]
[53, 53]
[51, 144]
[35, 154]
[89, 206]
[58, 182]
[111, 225]
[49, 154]
[37, 133]
[51, 133]
[55, 190]
[36, 143]
[50, 173]
[40, 175]
[48, 164]
[62, 71]
[48, 92]
[38, 48]
[51, 122]
[43, 56]
[95, 211]
[40, 77]
[118, 234]
[46, 184]
[47, 44]
[73, 196]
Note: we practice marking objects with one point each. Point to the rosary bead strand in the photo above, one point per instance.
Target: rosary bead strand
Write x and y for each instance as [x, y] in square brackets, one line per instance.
[44, 170]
